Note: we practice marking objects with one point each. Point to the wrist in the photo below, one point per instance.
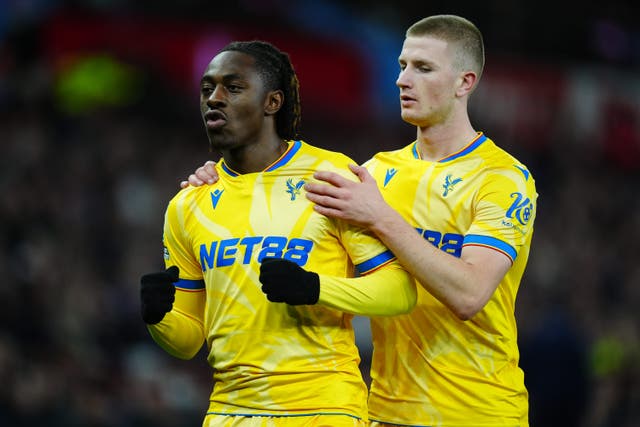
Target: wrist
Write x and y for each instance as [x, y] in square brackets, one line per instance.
[385, 223]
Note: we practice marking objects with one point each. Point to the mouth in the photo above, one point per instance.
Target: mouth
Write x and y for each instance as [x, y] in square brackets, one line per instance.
[407, 101]
[214, 119]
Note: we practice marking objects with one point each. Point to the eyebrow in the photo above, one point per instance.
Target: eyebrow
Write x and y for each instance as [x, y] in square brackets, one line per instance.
[417, 62]
[227, 77]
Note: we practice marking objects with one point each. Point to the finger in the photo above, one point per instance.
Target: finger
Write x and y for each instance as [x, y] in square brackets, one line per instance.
[184, 184]
[329, 211]
[275, 297]
[195, 181]
[332, 178]
[203, 175]
[361, 172]
[151, 278]
[269, 259]
[210, 168]
[211, 174]
[325, 201]
[174, 273]
[323, 189]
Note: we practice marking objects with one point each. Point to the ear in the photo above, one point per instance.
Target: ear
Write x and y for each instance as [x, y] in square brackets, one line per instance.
[467, 83]
[273, 102]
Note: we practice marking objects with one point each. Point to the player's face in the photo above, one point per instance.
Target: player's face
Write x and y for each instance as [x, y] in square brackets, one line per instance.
[232, 101]
[427, 81]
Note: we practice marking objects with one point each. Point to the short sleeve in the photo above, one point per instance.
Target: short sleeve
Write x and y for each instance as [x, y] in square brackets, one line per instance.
[504, 211]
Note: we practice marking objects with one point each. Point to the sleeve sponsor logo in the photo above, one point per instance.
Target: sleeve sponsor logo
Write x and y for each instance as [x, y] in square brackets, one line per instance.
[450, 243]
[521, 209]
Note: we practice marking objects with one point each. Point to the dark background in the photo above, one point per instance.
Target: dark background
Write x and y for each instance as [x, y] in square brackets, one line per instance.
[99, 122]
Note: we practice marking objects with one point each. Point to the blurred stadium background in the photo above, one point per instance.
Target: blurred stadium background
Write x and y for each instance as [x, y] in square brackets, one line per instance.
[99, 122]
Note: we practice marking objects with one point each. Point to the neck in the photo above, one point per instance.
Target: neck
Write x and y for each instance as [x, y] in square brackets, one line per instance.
[440, 141]
[254, 157]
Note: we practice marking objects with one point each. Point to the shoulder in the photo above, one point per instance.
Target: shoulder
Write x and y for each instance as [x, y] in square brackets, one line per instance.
[498, 162]
[323, 153]
[188, 196]
[392, 156]
[322, 159]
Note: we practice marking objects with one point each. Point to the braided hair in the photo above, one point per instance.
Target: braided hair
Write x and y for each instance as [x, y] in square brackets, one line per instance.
[276, 70]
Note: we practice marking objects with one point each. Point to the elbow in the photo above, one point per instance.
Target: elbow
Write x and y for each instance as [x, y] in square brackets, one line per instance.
[406, 304]
[410, 301]
[466, 310]
[398, 309]
[464, 314]
[184, 354]
[183, 347]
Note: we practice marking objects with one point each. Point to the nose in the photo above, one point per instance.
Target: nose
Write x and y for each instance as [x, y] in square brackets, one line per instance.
[403, 80]
[216, 97]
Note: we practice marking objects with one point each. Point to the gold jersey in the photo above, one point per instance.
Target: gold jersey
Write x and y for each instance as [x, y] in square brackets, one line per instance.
[430, 368]
[269, 359]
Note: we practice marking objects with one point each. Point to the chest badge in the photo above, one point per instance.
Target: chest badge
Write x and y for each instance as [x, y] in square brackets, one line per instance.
[449, 184]
[294, 189]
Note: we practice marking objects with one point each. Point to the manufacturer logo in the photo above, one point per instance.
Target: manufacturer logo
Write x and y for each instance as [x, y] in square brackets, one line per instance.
[215, 197]
[391, 172]
[449, 184]
[294, 190]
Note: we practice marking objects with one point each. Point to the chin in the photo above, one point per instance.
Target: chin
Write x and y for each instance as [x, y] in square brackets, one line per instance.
[218, 140]
[409, 118]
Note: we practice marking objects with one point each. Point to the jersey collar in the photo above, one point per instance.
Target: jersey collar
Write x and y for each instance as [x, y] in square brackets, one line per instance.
[294, 147]
[475, 143]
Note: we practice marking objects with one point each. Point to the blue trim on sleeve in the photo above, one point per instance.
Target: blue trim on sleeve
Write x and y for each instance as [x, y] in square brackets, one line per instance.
[193, 285]
[492, 242]
[292, 151]
[375, 262]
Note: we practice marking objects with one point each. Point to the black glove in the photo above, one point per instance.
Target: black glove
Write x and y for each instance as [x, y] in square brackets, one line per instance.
[157, 294]
[286, 281]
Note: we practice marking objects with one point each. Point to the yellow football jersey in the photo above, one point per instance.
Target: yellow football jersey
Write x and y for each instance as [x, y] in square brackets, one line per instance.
[271, 358]
[429, 367]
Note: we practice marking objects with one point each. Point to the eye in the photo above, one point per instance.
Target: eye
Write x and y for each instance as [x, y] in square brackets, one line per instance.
[234, 88]
[206, 90]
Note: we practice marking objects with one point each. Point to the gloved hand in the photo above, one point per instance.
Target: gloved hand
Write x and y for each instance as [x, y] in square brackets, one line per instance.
[286, 281]
[157, 294]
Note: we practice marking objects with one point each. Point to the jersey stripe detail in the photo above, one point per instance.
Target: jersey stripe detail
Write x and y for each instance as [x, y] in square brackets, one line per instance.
[491, 242]
[375, 262]
[190, 284]
[414, 150]
[469, 148]
[280, 415]
[286, 156]
[227, 169]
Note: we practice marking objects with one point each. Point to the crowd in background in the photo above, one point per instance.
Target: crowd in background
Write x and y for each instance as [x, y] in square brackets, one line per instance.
[82, 199]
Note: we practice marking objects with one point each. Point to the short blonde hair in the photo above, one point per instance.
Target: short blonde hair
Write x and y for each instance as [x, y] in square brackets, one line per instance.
[457, 30]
